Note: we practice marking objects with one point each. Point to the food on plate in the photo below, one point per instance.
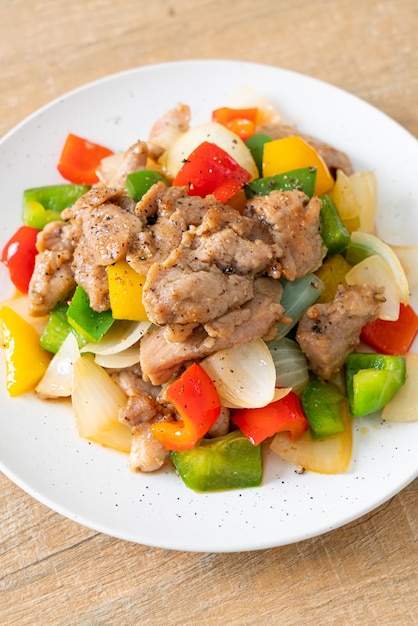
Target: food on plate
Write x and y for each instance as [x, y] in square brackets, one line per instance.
[209, 291]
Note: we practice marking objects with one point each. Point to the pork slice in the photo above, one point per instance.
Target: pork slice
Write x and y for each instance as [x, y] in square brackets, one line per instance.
[55, 236]
[179, 295]
[334, 158]
[107, 231]
[97, 195]
[170, 126]
[225, 239]
[51, 282]
[147, 454]
[328, 332]
[294, 222]
[134, 159]
[92, 278]
[160, 359]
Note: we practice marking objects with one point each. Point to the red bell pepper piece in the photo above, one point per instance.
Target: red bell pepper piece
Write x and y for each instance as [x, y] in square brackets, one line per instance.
[196, 399]
[19, 256]
[80, 159]
[281, 415]
[392, 337]
[242, 122]
[211, 170]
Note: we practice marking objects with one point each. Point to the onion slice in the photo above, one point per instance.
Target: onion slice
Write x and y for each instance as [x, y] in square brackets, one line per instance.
[120, 360]
[363, 245]
[96, 402]
[290, 363]
[404, 405]
[57, 381]
[244, 376]
[122, 335]
[408, 257]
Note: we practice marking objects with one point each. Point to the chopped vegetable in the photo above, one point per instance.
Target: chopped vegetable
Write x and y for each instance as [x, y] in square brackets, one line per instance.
[403, 407]
[195, 398]
[79, 160]
[18, 256]
[291, 153]
[290, 363]
[119, 360]
[92, 325]
[227, 462]
[372, 380]
[44, 204]
[123, 334]
[57, 381]
[342, 194]
[363, 245]
[392, 337]
[256, 147]
[174, 158]
[330, 455]
[364, 186]
[303, 179]
[297, 296]
[125, 292]
[211, 170]
[285, 414]
[26, 361]
[333, 232]
[242, 122]
[244, 376]
[332, 273]
[408, 257]
[57, 329]
[96, 402]
[138, 183]
[321, 402]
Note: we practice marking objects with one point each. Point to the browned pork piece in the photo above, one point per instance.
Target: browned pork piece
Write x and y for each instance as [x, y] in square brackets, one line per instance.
[161, 358]
[334, 158]
[294, 224]
[147, 454]
[103, 225]
[328, 332]
[53, 277]
[170, 126]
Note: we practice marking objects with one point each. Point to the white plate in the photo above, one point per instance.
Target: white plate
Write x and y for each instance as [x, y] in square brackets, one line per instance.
[39, 447]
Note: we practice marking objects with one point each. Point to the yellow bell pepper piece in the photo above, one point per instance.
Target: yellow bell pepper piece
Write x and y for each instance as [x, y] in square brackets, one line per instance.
[291, 153]
[125, 292]
[26, 361]
[332, 273]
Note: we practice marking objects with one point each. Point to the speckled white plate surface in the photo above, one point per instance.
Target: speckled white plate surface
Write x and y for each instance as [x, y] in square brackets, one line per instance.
[39, 447]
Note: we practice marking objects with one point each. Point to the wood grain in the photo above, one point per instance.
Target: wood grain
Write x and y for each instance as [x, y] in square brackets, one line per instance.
[54, 571]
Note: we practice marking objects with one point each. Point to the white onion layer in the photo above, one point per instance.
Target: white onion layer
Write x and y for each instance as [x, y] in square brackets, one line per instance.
[244, 376]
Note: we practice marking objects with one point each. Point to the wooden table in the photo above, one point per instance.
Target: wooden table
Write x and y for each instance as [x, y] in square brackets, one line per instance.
[54, 571]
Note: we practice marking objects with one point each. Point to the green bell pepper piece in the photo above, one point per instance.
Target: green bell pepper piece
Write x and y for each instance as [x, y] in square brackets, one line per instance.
[255, 144]
[92, 325]
[372, 380]
[227, 462]
[303, 179]
[321, 403]
[44, 204]
[57, 329]
[334, 234]
[138, 183]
